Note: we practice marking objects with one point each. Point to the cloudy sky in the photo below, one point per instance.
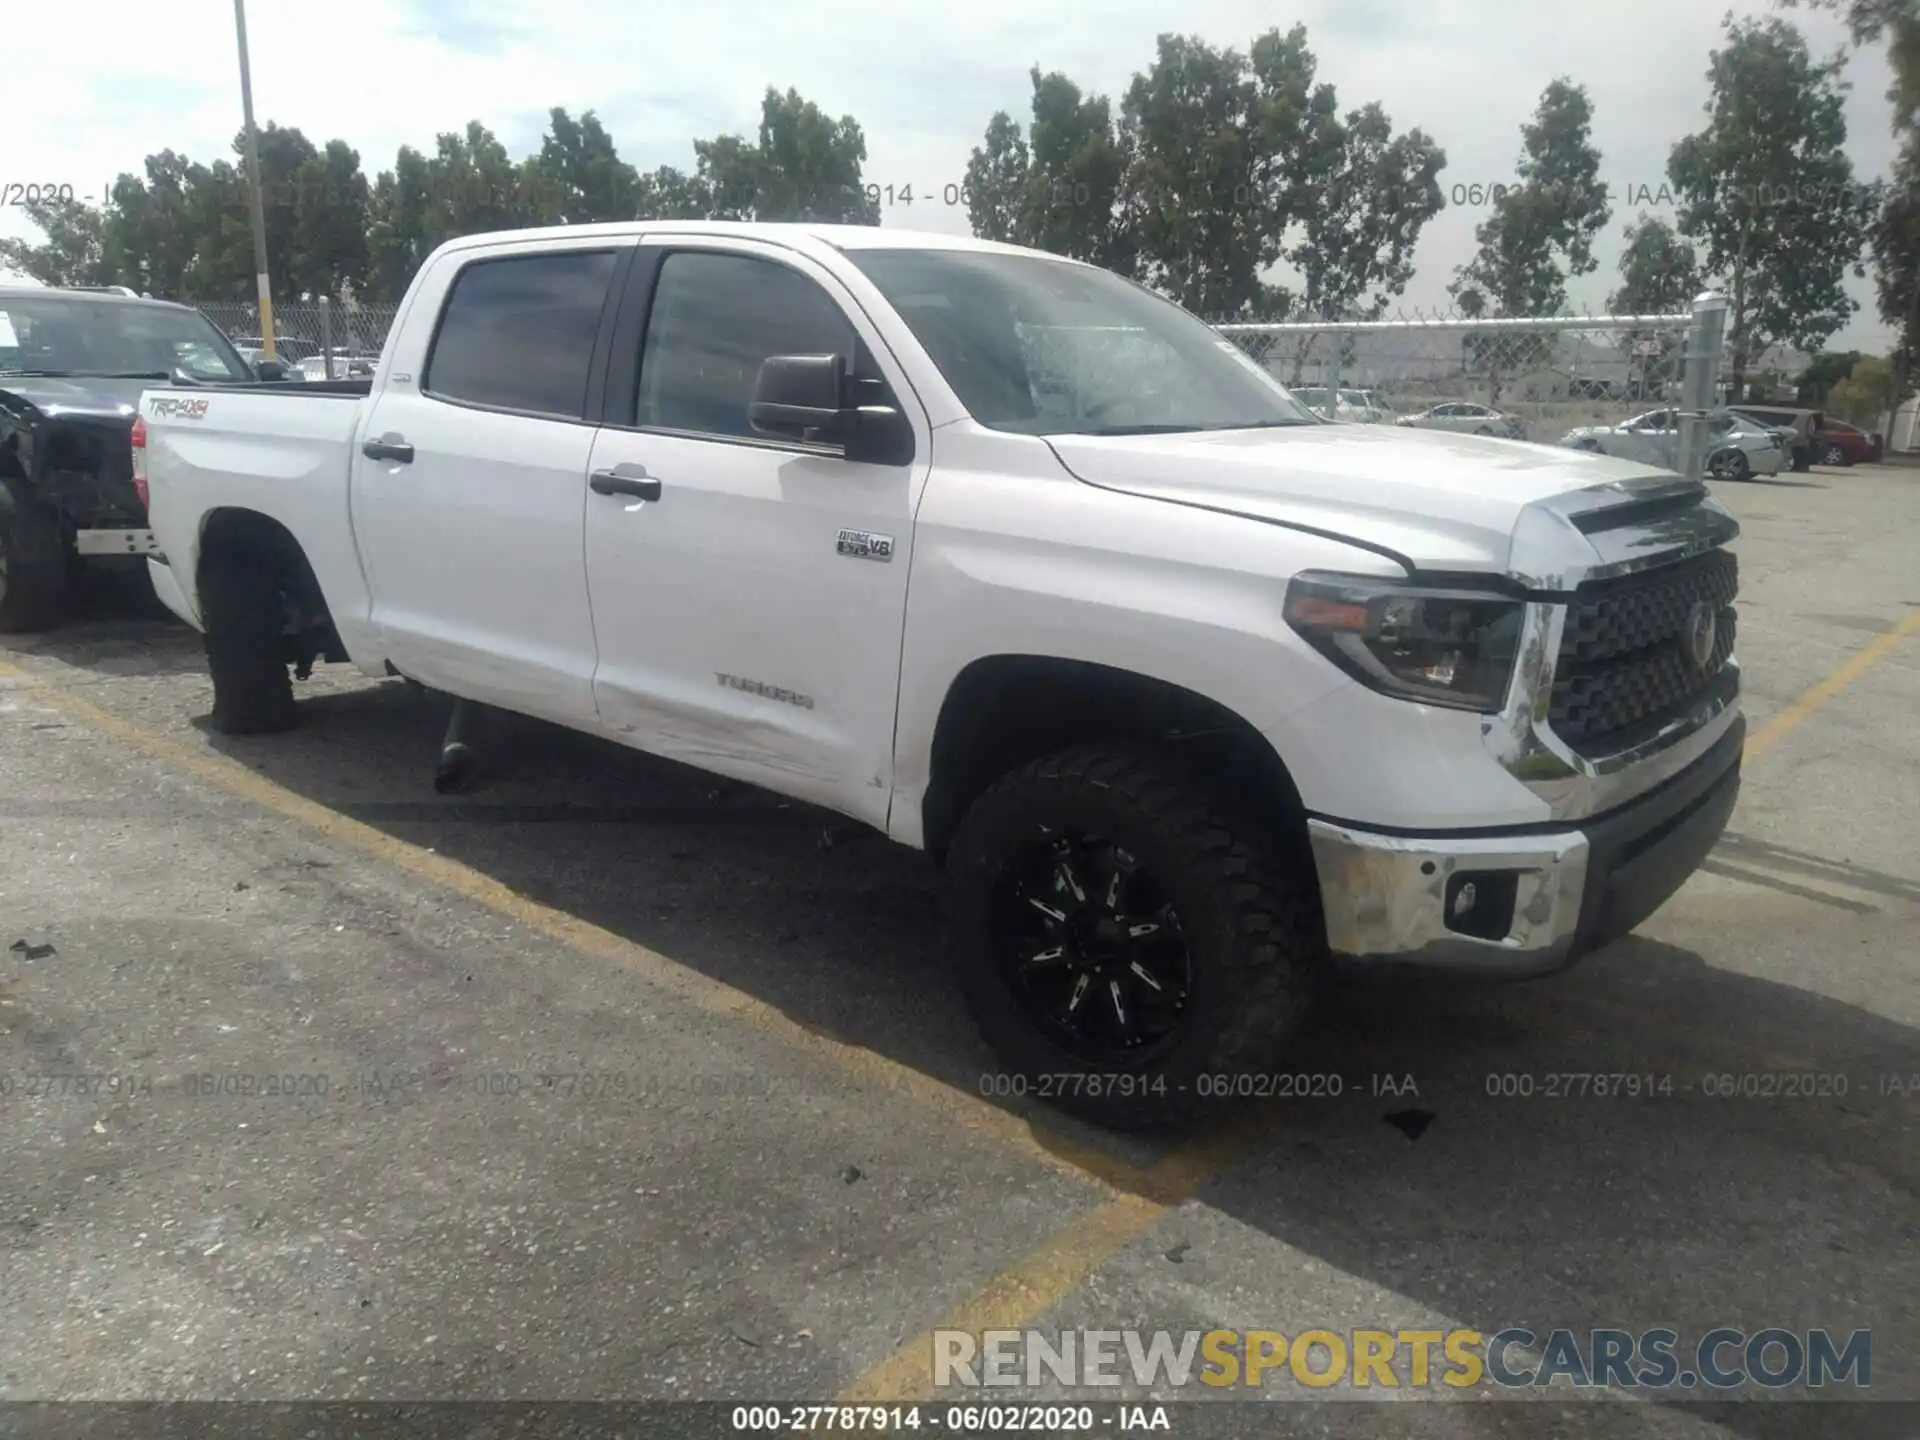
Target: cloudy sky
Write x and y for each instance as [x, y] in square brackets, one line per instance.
[921, 79]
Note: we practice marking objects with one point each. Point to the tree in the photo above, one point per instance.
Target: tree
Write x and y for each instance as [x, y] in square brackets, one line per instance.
[1542, 229]
[1059, 187]
[667, 194]
[590, 181]
[1375, 192]
[1896, 257]
[333, 212]
[1200, 197]
[1823, 372]
[804, 166]
[71, 253]
[996, 185]
[1541, 232]
[1220, 165]
[1768, 190]
[1865, 395]
[1898, 23]
[1659, 275]
[401, 234]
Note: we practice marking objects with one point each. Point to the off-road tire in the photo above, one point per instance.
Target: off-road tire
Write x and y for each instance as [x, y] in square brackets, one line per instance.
[36, 592]
[245, 615]
[1255, 941]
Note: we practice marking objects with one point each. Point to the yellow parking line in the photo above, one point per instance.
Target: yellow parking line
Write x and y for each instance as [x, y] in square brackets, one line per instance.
[1032, 1285]
[1819, 693]
[864, 1067]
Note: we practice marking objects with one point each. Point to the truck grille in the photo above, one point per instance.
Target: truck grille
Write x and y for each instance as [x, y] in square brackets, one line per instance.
[1626, 666]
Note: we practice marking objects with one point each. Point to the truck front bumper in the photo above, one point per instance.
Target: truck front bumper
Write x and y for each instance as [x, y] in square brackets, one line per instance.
[1524, 901]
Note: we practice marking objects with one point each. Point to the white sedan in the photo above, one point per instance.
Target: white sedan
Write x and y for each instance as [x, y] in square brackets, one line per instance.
[1465, 419]
[1737, 448]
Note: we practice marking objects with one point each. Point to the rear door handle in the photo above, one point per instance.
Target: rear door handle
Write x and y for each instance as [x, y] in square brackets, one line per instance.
[630, 480]
[388, 447]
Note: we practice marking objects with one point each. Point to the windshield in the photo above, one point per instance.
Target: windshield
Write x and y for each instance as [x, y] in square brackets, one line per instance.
[66, 336]
[1044, 347]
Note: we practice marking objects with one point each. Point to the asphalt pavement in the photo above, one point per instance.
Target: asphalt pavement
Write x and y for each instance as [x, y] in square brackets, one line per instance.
[611, 1082]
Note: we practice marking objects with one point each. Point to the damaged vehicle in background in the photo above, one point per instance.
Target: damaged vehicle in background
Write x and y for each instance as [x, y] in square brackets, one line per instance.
[1738, 448]
[72, 366]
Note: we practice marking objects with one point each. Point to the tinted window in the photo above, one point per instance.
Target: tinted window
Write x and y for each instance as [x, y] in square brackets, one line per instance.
[715, 319]
[518, 334]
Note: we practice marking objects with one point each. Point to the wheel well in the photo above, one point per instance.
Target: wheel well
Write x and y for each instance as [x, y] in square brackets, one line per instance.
[231, 533]
[1005, 710]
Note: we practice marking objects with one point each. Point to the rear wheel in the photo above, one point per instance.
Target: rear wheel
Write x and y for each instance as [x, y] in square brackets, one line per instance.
[1834, 455]
[35, 587]
[1128, 954]
[245, 613]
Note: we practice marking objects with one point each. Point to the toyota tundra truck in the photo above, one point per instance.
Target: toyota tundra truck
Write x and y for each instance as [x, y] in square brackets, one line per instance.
[1006, 557]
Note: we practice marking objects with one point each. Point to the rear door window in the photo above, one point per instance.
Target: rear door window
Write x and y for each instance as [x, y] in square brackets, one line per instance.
[518, 333]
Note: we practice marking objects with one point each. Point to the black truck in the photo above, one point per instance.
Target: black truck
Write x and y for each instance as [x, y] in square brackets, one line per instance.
[72, 366]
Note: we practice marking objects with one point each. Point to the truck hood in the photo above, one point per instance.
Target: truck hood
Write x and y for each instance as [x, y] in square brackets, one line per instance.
[1439, 500]
[83, 398]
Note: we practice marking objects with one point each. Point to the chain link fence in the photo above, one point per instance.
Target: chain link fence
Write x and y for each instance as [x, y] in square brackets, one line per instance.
[1536, 378]
[304, 331]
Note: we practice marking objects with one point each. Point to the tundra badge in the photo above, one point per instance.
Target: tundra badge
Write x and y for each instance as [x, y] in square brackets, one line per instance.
[865, 545]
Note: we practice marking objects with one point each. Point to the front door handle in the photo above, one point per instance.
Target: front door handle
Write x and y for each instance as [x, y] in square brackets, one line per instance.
[388, 447]
[630, 480]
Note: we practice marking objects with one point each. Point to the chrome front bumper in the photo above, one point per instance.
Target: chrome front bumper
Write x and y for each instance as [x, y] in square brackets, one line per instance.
[1394, 897]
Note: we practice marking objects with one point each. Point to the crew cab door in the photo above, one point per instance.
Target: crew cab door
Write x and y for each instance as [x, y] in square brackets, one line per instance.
[469, 490]
[749, 593]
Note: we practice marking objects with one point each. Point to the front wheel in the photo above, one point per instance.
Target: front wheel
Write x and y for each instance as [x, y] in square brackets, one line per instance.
[1126, 951]
[1729, 465]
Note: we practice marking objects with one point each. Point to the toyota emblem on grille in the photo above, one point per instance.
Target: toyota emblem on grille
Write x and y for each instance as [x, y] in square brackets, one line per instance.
[1702, 625]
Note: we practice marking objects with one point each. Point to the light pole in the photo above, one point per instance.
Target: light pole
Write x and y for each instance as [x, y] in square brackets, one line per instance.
[254, 188]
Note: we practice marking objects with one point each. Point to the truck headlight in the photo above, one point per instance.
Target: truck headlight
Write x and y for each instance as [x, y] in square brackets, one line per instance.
[1441, 647]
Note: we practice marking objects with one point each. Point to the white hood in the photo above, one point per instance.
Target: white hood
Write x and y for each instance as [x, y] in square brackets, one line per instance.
[1444, 501]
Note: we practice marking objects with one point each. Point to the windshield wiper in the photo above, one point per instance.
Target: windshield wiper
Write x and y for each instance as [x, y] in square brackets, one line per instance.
[1138, 430]
[42, 374]
[1263, 425]
[122, 374]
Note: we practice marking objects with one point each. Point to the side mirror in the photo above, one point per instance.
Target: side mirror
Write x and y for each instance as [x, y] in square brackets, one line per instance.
[269, 370]
[797, 396]
[798, 393]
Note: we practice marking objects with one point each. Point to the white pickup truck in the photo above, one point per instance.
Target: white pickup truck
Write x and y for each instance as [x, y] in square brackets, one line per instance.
[1022, 565]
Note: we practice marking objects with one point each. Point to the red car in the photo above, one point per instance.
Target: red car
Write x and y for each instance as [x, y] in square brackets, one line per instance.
[1838, 443]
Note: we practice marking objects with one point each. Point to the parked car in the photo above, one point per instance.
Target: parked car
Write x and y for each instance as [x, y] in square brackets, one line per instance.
[254, 357]
[72, 365]
[1370, 406]
[1327, 405]
[1463, 418]
[288, 350]
[1798, 426]
[1737, 448]
[1188, 690]
[347, 365]
[1836, 442]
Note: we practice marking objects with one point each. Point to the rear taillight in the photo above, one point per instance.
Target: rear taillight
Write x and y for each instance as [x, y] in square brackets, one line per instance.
[138, 439]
